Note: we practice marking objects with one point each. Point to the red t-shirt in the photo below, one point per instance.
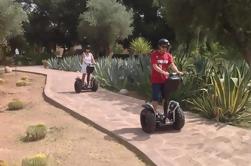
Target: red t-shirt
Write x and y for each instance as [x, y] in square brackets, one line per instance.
[163, 60]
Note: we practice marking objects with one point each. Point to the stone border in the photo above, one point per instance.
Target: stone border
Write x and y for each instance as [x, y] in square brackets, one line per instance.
[87, 121]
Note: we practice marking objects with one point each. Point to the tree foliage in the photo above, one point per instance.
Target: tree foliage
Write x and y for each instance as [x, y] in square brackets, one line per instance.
[226, 21]
[104, 22]
[12, 17]
[53, 21]
[148, 21]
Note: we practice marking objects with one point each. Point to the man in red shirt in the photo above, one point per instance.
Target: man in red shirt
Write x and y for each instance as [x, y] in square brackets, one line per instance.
[161, 60]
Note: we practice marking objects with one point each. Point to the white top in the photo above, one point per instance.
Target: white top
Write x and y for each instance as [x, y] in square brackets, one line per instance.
[16, 51]
[87, 58]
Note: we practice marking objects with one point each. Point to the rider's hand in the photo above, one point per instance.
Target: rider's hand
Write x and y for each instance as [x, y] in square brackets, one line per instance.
[180, 73]
[166, 73]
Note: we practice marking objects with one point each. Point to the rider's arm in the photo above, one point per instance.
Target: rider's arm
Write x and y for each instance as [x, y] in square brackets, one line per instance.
[158, 69]
[175, 69]
[82, 59]
[93, 60]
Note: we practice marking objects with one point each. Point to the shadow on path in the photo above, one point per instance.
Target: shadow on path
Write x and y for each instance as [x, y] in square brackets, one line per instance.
[140, 135]
[128, 104]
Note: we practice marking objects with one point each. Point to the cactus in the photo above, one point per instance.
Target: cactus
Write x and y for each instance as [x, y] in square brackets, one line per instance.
[15, 105]
[35, 133]
[37, 160]
[2, 81]
[22, 83]
[25, 78]
[3, 163]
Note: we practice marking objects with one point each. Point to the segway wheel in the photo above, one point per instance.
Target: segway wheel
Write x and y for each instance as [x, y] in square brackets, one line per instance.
[179, 119]
[78, 86]
[148, 121]
[94, 85]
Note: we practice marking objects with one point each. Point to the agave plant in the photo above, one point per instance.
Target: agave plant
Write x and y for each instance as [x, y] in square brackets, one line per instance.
[132, 74]
[140, 46]
[139, 75]
[111, 73]
[53, 63]
[183, 58]
[227, 99]
[191, 86]
[71, 63]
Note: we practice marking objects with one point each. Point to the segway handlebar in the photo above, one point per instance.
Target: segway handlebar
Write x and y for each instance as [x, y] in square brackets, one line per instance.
[91, 64]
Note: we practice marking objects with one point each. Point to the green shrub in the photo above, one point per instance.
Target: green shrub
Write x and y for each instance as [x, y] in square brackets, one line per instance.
[3, 163]
[140, 46]
[35, 133]
[15, 105]
[117, 49]
[33, 57]
[227, 98]
[183, 58]
[37, 160]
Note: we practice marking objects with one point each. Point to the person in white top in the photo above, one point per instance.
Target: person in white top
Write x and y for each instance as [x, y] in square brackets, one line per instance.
[16, 52]
[87, 64]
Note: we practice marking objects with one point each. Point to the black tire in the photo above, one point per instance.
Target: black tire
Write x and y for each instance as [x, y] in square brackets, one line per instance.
[94, 85]
[179, 119]
[148, 121]
[78, 86]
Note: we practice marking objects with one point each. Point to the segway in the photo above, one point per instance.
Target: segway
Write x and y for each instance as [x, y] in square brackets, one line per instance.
[173, 114]
[80, 86]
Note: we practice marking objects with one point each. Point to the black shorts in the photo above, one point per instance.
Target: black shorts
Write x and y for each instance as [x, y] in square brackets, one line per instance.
[89, 69]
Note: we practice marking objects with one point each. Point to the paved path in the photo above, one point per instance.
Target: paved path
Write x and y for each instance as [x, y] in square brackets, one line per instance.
[199, 143]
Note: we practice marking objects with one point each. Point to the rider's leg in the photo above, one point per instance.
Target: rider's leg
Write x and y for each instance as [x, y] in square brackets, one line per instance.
[89, 72]
[155, 105]
[83, 71]
[88, 75]
[88, 78]
[165, 105]
[165, 97]
[83, 77]
[156, 92]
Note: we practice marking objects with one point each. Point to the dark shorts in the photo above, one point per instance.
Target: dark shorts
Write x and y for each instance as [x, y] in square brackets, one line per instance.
[89, 69]
[157, 91]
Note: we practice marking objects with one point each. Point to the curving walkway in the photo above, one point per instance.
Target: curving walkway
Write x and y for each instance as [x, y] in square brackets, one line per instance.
[200, 143]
